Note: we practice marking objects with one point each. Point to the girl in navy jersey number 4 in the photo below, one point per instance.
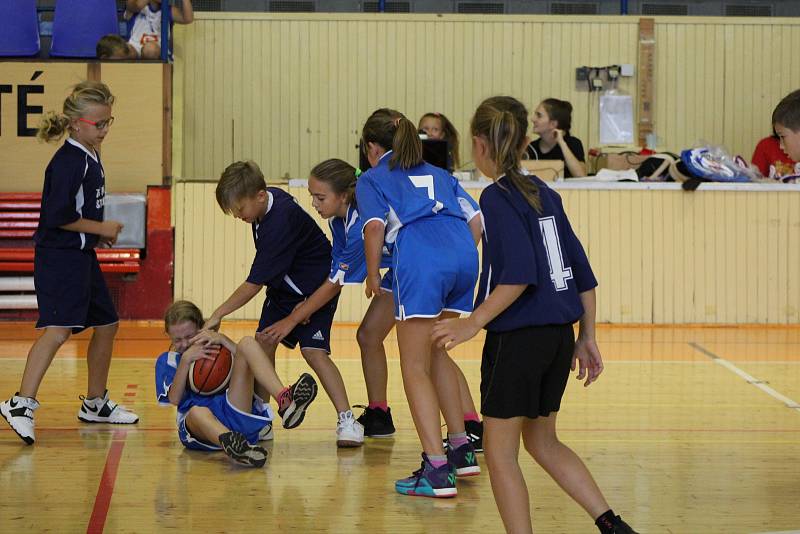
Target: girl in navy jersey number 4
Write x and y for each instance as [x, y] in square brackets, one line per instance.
[535, 282]
[70, 289]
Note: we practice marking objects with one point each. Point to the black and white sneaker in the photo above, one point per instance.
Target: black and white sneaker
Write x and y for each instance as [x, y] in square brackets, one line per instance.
[240, 451]
[474, 430]
[104, 410]
[266, 433]
[376, 422]
[18, 411]
[293, 404]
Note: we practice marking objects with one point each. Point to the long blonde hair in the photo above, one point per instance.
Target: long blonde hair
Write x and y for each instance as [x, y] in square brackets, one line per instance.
[55, 125]
[502, 121]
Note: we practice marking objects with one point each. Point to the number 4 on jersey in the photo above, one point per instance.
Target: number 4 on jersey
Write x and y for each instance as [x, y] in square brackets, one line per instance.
[559, 274]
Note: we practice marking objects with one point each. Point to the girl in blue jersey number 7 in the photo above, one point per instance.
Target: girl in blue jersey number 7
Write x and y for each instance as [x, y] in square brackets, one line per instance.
[412, 209]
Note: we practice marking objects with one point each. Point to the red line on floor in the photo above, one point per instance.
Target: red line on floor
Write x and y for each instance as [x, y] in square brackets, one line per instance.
[103, 499]
[9, 432]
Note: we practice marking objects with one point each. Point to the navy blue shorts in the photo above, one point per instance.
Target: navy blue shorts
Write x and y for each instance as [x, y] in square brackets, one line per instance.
[314, 335]
[70, 290]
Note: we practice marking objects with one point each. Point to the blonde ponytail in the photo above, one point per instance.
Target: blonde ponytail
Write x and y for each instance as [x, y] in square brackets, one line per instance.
[52, 127]
[502, 121]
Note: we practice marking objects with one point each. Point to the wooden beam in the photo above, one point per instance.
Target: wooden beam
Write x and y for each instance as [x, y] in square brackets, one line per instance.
[93, 71]
[166, 151]
[647, 62]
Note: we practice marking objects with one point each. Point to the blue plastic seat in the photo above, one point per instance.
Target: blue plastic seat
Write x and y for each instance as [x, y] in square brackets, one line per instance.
[79, 24]
[19, 28]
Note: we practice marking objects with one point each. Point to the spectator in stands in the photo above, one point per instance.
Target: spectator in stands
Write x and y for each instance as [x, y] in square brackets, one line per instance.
[437, 126]
[144, 24]
[115, 47]
[771, 160]
[786, 123]
[552, 121]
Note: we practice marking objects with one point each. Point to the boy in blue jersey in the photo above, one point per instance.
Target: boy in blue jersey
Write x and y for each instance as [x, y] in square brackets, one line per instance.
[293, 258]
[535, 282]
[235, 419]
[70, 289]
[412, 209]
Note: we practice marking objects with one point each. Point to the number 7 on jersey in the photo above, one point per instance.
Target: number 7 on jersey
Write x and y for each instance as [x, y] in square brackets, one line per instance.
[426, 182]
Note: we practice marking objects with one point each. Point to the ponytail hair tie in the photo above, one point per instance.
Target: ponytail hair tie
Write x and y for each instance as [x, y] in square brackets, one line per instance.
[358, 172]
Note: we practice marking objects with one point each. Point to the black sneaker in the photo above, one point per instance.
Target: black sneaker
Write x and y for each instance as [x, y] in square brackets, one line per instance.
[616, 525]
[474, 430]
[376, 422]
[240, 451]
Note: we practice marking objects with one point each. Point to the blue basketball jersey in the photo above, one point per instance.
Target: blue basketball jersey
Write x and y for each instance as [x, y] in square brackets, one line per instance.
[521, 246]
[166, 366]
[348, 264]
[398, 197]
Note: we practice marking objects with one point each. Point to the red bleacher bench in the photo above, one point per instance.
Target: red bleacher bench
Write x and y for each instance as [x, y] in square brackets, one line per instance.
[19, 217]
[111, 260]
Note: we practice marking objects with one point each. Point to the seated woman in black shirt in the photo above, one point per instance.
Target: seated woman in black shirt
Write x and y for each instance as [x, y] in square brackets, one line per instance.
[551, 122]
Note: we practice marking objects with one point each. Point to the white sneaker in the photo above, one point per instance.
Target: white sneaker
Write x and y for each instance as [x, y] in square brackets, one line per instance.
[18, 411]
[349, 432]
[104, 410]
[266, 433]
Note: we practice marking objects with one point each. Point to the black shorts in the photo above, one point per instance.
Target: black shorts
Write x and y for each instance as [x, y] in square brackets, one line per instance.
[314, 335]
[70, 290]
[524, 372]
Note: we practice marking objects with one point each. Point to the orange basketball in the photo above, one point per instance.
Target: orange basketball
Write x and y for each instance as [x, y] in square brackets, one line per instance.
[208, 377]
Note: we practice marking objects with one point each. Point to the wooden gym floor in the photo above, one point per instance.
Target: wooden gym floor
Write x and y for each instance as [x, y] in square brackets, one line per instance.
[689, 430]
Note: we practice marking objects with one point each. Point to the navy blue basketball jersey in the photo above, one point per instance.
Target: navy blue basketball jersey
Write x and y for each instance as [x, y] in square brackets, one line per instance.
[74, 188]
[521, 246]
[293, 256]
[398, 197]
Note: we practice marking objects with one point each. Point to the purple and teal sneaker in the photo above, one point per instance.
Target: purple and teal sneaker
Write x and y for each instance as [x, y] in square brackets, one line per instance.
[464, 460]
[429, 481]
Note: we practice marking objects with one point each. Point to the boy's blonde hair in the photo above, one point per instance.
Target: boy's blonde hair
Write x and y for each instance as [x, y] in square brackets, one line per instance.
[54, 125]
[180, 311]
[242, 179]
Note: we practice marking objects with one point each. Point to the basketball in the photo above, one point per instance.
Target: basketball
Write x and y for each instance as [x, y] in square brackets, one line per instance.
[208, 377]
